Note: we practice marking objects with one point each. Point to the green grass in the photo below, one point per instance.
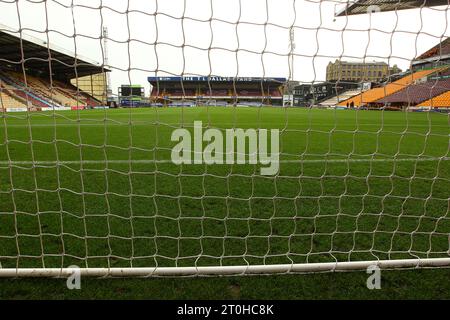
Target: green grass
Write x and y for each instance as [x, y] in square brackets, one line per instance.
[400, 284]
[158, 214]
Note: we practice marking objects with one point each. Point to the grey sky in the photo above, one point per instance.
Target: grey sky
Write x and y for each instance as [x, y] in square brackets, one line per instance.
[210, 44]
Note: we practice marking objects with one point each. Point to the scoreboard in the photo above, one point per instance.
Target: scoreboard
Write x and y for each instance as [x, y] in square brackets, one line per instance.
[131, 91]
[131, 95]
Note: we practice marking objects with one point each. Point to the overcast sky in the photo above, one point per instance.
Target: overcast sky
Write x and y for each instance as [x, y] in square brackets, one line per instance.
[225, 37]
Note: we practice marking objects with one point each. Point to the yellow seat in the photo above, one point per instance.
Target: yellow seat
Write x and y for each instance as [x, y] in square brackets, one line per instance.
[441, 101]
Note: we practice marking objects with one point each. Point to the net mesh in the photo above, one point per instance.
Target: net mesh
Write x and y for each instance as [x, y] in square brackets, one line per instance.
[83, 183]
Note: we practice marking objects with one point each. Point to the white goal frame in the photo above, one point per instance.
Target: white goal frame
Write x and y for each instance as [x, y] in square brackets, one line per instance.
[227, 270]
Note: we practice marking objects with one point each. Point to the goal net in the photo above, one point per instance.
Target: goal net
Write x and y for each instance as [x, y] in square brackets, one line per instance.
[207, 137]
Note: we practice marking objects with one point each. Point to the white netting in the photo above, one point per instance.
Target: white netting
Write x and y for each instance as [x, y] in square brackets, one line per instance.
[82, 183]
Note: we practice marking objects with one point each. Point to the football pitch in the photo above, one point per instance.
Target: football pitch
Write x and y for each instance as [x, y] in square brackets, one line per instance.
[97, 188]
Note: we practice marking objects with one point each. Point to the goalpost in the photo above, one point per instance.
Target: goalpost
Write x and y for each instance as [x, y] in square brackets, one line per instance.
[94, 189]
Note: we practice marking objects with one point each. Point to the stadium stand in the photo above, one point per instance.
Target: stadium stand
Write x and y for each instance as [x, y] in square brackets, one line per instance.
[21, 92]
[41, 88]
[250, 93]
[371, 96]
[416, 93]
[428, 73]
[434, 57]
[216, 93]
[8, 101]
[277, 93]
[177, 91]
[440, 101]
[43, 94]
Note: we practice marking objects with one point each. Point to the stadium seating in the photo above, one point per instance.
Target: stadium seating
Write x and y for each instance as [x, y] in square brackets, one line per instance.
[32, 99]
[217, 93]
[63, 94]
[182, 93]
[440, 101]
[276, 93]
[375, 94]
[417, 93]
[9, 102]
[27, 91]
[250, 93]
[53, 94]
[40, 93]
[202, 92]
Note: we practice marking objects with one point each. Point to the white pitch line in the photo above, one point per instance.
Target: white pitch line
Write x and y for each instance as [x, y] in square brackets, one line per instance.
[150, 161]
[219, 125]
